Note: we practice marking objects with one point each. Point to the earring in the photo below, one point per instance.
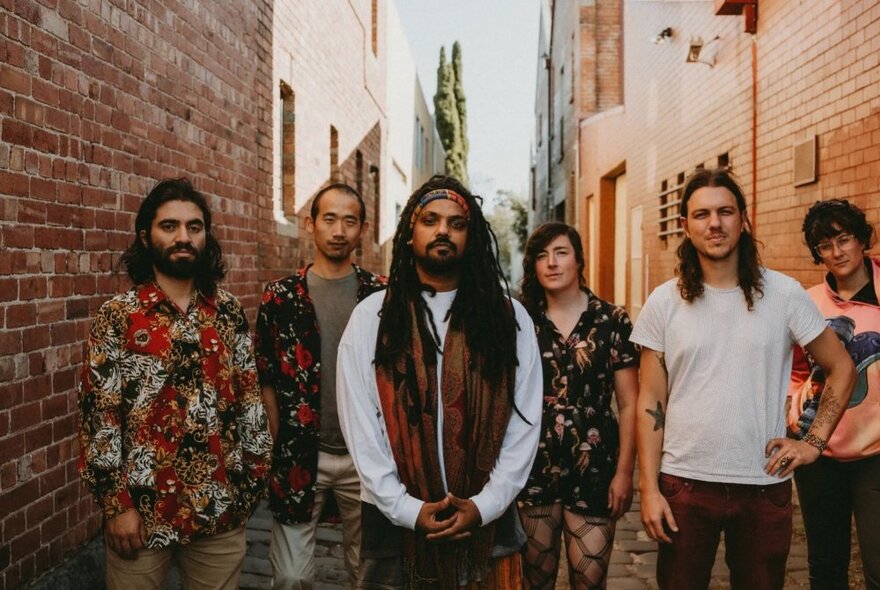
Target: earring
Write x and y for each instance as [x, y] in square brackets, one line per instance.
[409, 242]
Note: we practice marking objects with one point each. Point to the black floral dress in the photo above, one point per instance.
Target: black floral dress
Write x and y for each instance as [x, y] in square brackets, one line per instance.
[579, 445]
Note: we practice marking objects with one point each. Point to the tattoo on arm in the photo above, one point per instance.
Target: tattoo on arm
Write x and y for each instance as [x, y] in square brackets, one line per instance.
[829, 407]
[661, 358]
[659, 416]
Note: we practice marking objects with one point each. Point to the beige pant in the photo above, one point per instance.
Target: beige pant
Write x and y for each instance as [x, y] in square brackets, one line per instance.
[292, 553]
[207, 563]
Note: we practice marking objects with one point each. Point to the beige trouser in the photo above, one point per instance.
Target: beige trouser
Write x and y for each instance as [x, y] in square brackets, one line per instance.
[206, 563]
[292, 552]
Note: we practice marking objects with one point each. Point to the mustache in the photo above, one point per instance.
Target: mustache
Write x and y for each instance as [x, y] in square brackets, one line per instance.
[182, 248]
[442, 241]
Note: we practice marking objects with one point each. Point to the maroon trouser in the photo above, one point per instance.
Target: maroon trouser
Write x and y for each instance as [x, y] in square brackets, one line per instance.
[755, 519]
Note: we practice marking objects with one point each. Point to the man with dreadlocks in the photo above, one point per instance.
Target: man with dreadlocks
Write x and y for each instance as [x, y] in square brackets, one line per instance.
[439, 383]
[710, 431]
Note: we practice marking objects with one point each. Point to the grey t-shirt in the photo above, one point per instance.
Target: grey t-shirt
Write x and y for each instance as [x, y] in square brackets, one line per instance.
[334, 300]
[729, 371]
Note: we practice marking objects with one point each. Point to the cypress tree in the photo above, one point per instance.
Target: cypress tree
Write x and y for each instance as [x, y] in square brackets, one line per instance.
[447, 119]
[462, 108]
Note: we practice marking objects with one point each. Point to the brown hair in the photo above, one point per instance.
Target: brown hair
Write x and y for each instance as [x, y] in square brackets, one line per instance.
[532, 293]
[690, 273]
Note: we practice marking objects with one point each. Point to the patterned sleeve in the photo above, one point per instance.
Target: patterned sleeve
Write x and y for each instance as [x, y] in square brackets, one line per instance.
[101, 463]
[253, 426]
[624, 352]
[266, 338]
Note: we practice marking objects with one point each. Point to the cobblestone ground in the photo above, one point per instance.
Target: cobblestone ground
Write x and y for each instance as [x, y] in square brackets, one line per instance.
[632, 563]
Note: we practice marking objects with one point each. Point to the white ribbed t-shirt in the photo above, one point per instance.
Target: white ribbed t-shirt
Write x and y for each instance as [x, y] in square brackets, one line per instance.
[729, 370]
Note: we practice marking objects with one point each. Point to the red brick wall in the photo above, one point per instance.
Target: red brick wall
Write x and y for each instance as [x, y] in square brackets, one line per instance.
[817, 74]
[324, 52]
[97, 101]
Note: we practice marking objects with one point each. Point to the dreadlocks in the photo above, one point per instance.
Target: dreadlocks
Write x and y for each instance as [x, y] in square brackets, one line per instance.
[481, 308]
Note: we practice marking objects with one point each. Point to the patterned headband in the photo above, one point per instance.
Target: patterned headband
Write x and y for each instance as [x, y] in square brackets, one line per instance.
[441, 193]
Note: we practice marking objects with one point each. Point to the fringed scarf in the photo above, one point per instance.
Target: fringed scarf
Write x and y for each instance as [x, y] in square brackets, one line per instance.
[475, 418]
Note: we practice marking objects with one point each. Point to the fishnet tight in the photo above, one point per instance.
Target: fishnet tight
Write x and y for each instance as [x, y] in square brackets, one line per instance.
[588, 542]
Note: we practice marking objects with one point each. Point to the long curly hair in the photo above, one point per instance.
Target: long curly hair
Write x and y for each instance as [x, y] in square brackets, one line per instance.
[532, 293]
[137, 258]
[823, 216]
[690, 273]
[481, 307]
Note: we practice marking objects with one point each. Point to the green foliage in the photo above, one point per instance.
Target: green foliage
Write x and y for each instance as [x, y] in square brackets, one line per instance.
[450, 114]
[460, 101]
[509, 220]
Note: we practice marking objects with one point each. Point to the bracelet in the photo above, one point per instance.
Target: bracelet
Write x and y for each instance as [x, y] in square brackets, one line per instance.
[813, 440]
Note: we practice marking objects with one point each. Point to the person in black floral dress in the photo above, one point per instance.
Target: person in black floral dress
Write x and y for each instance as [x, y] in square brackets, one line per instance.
[582, 479]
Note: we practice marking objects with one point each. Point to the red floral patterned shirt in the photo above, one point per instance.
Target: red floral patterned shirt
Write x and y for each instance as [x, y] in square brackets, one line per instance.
[172, 421]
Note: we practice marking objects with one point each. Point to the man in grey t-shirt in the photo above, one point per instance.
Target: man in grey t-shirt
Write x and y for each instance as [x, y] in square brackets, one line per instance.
[299, 324]
[715, 365]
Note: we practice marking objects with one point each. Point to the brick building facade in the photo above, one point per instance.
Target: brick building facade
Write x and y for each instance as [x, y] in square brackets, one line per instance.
[260, 103]
[807, 76]
[578, 76]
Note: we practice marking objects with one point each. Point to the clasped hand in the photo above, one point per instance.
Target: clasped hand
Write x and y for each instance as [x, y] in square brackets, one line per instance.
[454, 528]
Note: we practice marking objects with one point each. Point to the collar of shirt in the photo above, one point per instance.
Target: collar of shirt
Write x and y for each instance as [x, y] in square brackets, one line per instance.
[150, 295]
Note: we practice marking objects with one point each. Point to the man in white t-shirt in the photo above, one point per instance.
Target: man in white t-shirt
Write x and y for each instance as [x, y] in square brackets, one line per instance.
[716, 359]
[438, 386]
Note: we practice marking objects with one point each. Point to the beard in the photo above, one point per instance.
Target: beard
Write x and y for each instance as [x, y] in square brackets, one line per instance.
[440, 265]
[185, 268]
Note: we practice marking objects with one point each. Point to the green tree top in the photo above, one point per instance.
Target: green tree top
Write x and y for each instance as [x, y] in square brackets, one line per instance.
[448, 118]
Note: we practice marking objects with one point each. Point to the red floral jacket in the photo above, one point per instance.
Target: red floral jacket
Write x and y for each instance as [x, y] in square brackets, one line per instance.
[171, 418]
[289, 359]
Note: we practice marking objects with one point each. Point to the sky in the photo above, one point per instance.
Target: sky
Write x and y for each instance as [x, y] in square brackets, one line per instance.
[499, 49]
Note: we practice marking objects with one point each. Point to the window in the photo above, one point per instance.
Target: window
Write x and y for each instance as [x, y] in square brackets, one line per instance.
[571, 67]
[418, 130]
[334, 155]
[374, 18]
[374, 174]
[670, 199]
[359, 172]
[540, 131]
[288, 150]
[561, 138]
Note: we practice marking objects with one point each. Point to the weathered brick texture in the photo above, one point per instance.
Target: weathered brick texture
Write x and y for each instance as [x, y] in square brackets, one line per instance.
[817, 74]
[98, 99]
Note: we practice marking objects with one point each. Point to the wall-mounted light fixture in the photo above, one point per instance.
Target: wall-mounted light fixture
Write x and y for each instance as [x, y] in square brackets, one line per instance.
[661, 37]
[703, 53]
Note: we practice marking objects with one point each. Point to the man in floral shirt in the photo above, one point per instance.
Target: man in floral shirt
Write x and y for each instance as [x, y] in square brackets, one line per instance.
[174, 439]
[299, 324]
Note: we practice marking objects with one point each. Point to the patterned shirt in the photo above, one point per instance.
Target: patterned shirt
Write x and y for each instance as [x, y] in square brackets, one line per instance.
[577, 453]
[172, 422]
[289, 359]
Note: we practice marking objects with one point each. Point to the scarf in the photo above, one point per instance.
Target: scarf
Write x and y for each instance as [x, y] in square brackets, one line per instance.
[475, 418]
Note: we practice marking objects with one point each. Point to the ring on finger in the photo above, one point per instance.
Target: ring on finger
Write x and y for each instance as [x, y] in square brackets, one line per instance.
[785, 462]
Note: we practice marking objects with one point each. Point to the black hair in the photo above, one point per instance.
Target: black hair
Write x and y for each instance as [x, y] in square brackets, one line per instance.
[481, 308]
[828, 219]
[137, 258]
[339, 186]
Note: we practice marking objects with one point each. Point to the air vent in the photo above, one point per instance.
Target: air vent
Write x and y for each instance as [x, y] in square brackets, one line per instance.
[805, 169]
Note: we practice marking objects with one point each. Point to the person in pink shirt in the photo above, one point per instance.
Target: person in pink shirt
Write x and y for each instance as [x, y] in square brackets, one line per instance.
[845, 480]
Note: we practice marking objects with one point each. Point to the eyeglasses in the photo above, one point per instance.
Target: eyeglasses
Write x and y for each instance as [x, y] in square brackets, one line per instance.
[843, 242]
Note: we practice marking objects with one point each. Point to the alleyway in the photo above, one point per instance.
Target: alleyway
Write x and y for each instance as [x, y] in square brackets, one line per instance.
[632, 563]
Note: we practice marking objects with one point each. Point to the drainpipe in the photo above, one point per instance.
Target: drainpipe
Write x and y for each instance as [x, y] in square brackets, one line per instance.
[754, 215]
